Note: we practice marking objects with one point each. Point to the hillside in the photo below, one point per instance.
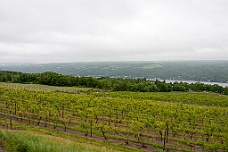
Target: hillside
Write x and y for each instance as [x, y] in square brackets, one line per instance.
[122, 121]
[214, 71]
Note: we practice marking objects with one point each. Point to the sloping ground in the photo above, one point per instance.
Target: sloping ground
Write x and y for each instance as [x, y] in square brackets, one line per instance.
[42, 87]
[22, 140]
[215, 71]
[1, 146]
[132, 121]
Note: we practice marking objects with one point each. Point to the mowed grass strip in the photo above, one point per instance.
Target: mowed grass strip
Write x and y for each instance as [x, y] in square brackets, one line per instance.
[21, 140]
[38, 87]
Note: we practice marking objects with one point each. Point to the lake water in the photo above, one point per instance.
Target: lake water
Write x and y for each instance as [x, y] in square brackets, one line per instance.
[211, 83]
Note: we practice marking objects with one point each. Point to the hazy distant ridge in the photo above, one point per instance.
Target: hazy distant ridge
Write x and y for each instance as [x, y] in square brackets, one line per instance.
[215, 71]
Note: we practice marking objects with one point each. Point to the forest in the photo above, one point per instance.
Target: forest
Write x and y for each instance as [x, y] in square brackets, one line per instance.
[107, 83]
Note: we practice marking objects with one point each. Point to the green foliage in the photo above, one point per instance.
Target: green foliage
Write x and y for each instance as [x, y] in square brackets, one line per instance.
[137, 117]
[226, 91]
[114, 84]
[20, 141]
[12, 143]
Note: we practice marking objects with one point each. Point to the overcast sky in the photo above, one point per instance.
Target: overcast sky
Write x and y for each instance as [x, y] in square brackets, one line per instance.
[113, 30]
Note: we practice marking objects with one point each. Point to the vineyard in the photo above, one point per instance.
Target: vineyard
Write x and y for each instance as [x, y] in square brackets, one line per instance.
[173, 121]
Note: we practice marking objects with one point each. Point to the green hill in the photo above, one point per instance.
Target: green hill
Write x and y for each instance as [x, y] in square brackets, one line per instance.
[82, 120]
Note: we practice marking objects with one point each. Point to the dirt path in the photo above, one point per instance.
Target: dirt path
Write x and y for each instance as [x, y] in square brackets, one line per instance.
[1, 149]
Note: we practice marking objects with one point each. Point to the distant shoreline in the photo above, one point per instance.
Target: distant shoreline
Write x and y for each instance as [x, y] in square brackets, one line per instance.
[205, 82]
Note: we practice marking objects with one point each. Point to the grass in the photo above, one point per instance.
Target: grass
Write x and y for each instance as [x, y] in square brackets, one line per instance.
[28, 141]
[39, 87]
[29, 138]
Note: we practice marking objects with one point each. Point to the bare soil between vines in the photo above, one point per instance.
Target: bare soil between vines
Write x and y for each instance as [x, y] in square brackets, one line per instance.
[114, 141]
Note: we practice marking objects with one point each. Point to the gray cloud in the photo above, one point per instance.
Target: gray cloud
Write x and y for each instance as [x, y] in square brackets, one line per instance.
[112, 30]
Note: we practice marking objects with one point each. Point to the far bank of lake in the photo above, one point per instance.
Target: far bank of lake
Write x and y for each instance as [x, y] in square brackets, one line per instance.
[211, 83]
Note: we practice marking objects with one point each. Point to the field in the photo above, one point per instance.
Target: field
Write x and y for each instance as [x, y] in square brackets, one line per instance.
[116, 121]
[39, 87]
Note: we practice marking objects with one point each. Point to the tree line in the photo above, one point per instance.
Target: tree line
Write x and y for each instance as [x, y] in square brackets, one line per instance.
[107, 83]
